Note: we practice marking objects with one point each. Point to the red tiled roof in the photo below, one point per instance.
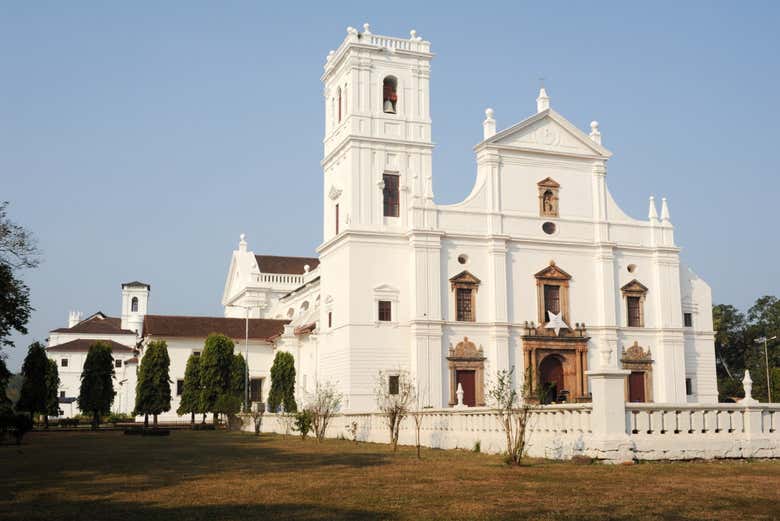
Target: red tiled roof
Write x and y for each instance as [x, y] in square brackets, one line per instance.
[83, 344]
[133, 360]
[305, 329]
[201, 327]
[287, 265]
[97, 324]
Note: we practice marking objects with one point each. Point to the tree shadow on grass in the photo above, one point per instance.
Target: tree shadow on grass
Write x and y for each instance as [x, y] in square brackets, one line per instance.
[125, 511]
[97, 465]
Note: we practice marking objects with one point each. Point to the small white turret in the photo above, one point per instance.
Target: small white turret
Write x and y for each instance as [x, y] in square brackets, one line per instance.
[135, 305]
[664, 211]
[242, 243]
[543, 101]
[74, 317]
[489, 125]
[652, 213]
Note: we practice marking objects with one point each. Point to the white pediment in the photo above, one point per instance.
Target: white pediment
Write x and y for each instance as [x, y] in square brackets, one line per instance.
[550, 132]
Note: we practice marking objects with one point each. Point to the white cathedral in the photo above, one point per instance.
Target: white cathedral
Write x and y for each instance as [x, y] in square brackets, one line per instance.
[536, 268]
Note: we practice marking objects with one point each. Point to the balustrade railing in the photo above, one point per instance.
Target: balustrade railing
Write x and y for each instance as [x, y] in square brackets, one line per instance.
[714, 419]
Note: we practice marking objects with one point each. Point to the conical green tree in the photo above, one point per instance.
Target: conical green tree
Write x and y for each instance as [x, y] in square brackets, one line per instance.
[190, 394]
[216, 366]
[282, 383]
[153, 389]
[52, 384]
[97, 382]
[33, 395]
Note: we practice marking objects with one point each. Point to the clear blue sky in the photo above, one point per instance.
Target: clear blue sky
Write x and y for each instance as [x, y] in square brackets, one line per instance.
[138, 140]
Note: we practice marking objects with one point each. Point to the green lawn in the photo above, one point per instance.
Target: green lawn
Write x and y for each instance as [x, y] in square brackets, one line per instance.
[216, 475]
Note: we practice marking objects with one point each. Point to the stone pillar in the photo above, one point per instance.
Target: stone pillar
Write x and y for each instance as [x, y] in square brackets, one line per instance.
[608, 416]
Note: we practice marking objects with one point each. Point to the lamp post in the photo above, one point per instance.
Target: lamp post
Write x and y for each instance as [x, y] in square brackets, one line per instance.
[765, 340]
[246, 358]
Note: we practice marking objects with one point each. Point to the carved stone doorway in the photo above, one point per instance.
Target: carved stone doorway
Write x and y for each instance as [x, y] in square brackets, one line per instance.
[551, 378]
[467, 367]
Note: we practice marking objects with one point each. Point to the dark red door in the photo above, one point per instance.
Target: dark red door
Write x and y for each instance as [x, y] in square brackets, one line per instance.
[636, 386]
[466, 381]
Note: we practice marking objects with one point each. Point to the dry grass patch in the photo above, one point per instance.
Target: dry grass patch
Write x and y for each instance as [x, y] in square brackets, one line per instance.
[217, 475]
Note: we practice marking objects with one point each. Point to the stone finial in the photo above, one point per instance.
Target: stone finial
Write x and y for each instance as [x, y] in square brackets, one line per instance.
[543, 101]
[330, 55]
[413, 35]
[366, 28]
[595, 135]
[747, 385]
[74, 317]
[652, 213]
[242, 243]
[664, 211]
[351, 31]
[489, 125]
[306, 268]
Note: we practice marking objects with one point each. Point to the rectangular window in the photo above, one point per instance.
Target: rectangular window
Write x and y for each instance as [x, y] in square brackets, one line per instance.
[117, 363]
[688, 386]
[337, 219]
[62, 394]
[464, 304]
[179, 387]
[330, 319]
[385, 314]
[390, 195]
[256, 390]
[688, 319]
[634, 311]
[196, 353]
[64, 362]
[552, 300]
[393, 384]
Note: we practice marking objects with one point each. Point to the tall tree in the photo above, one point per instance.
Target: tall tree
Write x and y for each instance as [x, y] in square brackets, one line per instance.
[15, 306]
[5, 377]
[18, 250]
[764, 321]
[97, 382]
[729, 324]
[153, 389]
[216, 366]
[190, 395]
[282, 383]
[52, 384]
[33, 397]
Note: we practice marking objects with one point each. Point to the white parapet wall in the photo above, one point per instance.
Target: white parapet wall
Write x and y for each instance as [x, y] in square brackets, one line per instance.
[706, 431]
[652, 431]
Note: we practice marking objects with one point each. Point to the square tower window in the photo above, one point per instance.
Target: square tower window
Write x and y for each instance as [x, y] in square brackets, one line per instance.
[390, 195]
[393, 382]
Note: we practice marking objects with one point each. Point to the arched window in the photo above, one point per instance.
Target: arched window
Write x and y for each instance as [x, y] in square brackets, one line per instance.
[389, 94]
[338, 96]
[134, 305]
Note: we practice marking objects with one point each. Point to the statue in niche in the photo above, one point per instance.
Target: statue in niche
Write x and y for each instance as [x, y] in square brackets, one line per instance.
[549, 203]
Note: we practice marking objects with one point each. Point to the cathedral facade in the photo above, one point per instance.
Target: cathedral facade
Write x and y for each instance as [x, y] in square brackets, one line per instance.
[537, 270]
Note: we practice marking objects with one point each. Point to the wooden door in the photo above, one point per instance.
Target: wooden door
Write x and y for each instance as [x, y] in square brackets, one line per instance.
[636, 386]
[466, 379]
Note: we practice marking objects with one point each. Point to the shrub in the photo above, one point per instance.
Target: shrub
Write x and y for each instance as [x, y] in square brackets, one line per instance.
[204, 427]
[17, 425]
[117, 417]
[303, 422]
[477, 446]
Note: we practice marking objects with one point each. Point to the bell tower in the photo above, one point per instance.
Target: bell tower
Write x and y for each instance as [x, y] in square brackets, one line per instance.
[377, 146]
